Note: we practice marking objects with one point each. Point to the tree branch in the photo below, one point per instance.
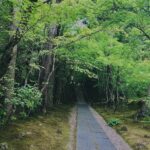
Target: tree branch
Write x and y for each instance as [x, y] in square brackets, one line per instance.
[144, 33]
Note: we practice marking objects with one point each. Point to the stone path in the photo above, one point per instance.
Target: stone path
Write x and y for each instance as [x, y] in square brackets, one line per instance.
[90, 135]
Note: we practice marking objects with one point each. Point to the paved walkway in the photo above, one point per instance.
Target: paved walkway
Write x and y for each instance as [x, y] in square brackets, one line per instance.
[93, 131]
[90, 135]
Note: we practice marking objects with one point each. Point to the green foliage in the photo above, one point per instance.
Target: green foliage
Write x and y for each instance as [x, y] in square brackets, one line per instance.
[105, 41]
[114, 122]
[146, 119]
[26, 100]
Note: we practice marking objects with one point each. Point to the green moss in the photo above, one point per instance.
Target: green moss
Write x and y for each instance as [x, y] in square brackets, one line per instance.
[136, 131]
[43, 132]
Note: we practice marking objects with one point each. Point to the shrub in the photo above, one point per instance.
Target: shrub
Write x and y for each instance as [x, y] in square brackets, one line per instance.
[26, 100]
[113, 122]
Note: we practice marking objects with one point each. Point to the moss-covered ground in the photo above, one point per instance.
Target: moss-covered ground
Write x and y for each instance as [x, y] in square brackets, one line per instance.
[43, 132]
[136, 134]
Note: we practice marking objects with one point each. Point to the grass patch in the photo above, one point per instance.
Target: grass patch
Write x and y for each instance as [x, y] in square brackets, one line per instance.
[137, 134]
[43, 132]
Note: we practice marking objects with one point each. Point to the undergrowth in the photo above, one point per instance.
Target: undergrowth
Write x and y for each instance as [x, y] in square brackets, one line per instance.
[43, 132]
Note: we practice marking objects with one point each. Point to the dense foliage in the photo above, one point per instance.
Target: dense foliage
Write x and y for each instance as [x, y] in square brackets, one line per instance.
[104, 46]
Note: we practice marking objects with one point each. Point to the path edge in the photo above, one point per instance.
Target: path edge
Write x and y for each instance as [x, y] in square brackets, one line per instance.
[73, 128]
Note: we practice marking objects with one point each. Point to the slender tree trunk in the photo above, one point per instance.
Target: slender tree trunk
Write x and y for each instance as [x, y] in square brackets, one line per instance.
[9, 79]
[109, 86]
[117, 90]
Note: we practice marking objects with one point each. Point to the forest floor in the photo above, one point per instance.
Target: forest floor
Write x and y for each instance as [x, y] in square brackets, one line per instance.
[136, 134]
[42, 132]
[57, 130]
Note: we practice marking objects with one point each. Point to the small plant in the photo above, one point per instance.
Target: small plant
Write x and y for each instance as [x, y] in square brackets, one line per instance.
[113, 122]
[146, 120]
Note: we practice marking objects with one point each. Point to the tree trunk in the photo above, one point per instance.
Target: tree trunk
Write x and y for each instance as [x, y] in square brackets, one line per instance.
[9, 78]
[109, 86]
[47, 72]
[10, 81]
[117, 96]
